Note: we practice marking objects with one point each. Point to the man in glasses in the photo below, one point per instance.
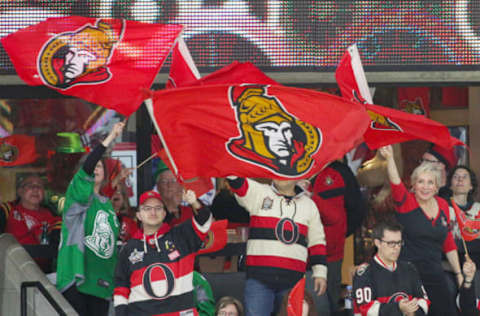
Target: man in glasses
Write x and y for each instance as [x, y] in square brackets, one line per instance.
[154, 273]
[27, 220]
[385, 286]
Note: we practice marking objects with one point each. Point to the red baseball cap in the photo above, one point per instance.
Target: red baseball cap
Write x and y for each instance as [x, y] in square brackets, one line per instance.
[149, 195]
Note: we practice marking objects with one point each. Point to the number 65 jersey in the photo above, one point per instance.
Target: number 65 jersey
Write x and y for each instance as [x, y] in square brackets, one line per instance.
[377, 289]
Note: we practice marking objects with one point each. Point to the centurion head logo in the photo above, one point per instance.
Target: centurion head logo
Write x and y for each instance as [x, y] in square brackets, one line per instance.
[81, 56]
[8, 153]
[271, 137]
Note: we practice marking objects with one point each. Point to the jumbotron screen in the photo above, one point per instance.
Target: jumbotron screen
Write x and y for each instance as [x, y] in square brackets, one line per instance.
[290, 35]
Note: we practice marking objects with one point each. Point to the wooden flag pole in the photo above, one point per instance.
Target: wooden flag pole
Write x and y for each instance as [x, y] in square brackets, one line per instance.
[146, 160]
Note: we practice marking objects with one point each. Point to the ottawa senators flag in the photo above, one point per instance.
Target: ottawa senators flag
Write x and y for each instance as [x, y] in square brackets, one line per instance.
[266, 131]
[104, 61]
[17, 150]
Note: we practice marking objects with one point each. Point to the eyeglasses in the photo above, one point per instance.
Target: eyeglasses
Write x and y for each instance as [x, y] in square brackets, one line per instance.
[32, 186]
[392, 244]
[147, 208]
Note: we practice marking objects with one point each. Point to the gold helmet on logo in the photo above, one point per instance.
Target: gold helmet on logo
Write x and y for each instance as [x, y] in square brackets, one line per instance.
[255, 107]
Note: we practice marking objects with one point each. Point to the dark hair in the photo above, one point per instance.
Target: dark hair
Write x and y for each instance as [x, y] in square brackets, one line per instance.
[380, 227]
[312, 310]
[227, 300]
[473, 181]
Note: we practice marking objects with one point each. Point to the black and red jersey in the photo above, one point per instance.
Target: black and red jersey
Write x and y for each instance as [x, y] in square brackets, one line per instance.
[154, 273]
[377, 289]
[425, 238]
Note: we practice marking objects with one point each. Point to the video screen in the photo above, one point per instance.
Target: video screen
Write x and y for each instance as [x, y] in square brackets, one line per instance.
[290, 35]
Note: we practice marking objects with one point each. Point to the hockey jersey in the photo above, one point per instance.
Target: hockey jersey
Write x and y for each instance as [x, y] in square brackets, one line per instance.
[378, 289]
[154, 275]
[284, 233]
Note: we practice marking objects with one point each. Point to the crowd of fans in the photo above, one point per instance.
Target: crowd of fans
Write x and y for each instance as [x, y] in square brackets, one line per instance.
[422, 265]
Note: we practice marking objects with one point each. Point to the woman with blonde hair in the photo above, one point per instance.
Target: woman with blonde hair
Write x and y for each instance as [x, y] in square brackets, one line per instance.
[426, 221]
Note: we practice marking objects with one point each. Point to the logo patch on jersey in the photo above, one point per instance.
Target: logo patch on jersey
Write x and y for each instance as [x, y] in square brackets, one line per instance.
[136, 256]
[361, 269]
[16, 215]
[102, 239]
[397, 297]
[169, 245]
[267, 203]
[444, 222]
[328, 180]
[173, 255]
[187, 313]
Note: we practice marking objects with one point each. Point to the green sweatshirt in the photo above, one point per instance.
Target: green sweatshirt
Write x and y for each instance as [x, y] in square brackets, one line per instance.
[88, 254]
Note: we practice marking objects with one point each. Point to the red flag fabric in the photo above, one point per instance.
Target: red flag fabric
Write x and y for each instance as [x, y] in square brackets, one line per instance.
[199, 185]
[104, 61]
[295, 299]
[17, 150]
[182, 68]
[254, 130]
[415, 100]
[217, 237]
[351, 78]
[390, 126]
[235, 73]
[470, 229]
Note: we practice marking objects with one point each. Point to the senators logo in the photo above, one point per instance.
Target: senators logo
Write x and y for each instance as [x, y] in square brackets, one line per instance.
[8, 153]
[81, 56]
[415, 107]
[383, 123]
[270, 137]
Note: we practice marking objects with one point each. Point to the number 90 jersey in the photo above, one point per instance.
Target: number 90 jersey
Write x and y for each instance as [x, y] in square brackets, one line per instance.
[377, 289]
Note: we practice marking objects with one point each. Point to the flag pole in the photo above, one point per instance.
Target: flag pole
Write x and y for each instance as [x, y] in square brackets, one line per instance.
[146, 160]
[461, 234]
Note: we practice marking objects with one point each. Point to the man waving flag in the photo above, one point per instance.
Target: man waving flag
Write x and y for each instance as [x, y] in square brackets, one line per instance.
[108, 62]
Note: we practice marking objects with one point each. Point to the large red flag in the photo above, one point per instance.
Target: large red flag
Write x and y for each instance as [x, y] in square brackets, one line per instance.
[388, 126]
[105, 61]
[235, 73]
[254, 130]
[182, 68]
[351, 78]
[295, 299]
[17, 150]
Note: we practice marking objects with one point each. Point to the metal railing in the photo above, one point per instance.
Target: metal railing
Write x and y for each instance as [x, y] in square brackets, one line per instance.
[23, 297]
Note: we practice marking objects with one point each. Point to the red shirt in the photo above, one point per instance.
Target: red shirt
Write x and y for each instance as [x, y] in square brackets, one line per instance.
[26, 225]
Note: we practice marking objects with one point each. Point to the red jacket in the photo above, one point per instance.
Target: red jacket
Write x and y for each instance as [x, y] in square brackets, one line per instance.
[26, 225]
[328, 194]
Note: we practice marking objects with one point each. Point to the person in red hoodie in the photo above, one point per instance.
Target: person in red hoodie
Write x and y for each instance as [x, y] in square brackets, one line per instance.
[26, 220]
[338, 198]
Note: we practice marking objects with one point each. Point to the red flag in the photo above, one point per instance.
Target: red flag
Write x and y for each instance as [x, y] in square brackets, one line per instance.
[235, 73]
[415, 100]
[470, 229]
[182, 69]
[217, 237]
[295, 299]
[254, 131]
[105, 61]
[390, 126]
[199, 185]
[351, 78]
[17, 150]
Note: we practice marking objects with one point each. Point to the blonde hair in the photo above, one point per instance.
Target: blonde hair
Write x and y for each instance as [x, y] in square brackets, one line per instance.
[426, 167]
